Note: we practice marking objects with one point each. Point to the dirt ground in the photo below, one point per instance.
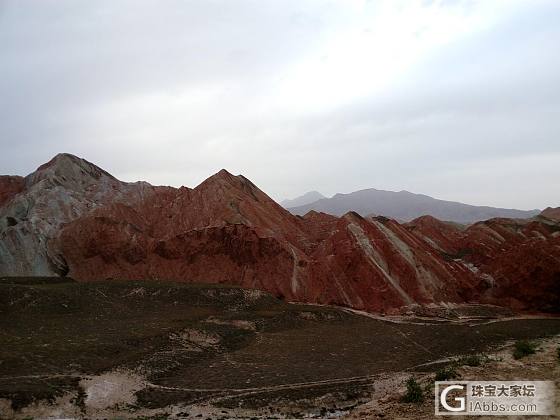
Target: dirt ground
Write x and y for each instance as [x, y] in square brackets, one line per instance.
[164, 350]
[543, 366]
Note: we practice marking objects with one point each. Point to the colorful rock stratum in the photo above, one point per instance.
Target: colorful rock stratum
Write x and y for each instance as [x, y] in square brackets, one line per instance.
[71, 218]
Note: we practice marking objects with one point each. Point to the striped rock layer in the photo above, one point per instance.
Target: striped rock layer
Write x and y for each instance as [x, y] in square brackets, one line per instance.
[72, 218]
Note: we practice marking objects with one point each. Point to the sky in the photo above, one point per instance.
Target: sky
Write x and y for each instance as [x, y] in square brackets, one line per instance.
[457, 99]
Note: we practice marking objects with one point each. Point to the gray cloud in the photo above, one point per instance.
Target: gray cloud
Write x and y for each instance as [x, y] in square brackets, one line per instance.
[172, 91]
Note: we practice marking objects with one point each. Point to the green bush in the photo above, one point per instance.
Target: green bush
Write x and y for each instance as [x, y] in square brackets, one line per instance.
[523, 348]
[446, 373]
[414, 393]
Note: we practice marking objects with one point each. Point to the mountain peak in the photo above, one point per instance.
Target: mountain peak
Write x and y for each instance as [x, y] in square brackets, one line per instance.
[224, 173]
[59, 159]
[352, 216]
[224, 183]
[66, 167]
[219, 177]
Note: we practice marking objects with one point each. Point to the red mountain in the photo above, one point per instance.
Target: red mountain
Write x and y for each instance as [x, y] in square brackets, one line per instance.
[72, 218]
[518, 260]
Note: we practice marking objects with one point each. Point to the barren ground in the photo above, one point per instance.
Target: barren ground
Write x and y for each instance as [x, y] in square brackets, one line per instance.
[544, 366]
[157, 350]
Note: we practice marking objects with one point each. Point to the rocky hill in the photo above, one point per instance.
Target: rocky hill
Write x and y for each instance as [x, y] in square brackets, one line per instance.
[72, 218]
[551, 213]
[36, 207]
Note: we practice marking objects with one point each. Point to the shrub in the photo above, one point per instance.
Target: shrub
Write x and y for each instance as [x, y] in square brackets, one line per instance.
[558, 353]
[472, 360]
[446, 373]
[524, 348]
[414, 393]
[80, 399]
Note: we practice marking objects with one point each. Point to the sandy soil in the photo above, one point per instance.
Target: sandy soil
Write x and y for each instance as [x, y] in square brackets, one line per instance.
[110, 389]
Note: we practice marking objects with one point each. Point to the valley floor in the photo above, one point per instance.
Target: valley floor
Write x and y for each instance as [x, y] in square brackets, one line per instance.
[150, 349]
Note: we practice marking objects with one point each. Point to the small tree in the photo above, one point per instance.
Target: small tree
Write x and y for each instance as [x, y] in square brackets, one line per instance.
[446, 373]
[524, 348]
[414, 393]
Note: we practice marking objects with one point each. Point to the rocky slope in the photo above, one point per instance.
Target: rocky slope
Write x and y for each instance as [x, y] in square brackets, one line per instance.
[404, 205]
[518, 260]
[72, 218]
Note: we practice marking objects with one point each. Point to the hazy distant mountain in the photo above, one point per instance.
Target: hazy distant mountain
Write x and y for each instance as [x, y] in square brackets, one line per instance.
[302, 200]
[406, 206]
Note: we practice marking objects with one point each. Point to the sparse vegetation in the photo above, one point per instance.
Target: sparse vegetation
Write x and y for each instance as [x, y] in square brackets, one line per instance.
[472, 360]
[446, 373]
[80, 398]
[523, 348]
[93, 328]
[558, 353]
[414, 392]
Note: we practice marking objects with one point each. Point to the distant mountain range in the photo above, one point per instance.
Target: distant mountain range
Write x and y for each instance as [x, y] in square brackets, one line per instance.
[404, 206]
[302, 200]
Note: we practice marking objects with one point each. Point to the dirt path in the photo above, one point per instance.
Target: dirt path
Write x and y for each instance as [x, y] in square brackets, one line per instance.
[270, 388]
[462, 320]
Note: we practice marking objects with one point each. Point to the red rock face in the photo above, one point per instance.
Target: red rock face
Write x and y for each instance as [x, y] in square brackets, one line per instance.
[226, 230]
[9, 187]
[88, 225]
[378, 265]
[517, 261]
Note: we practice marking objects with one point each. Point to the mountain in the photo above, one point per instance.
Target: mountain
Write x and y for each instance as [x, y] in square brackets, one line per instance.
[406, 206]
[518, 259]
[36, 208]
[551, 213]
[302, 200]
[71, 218]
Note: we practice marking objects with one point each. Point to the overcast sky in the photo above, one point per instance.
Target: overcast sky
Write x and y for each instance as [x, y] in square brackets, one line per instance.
[455, 99]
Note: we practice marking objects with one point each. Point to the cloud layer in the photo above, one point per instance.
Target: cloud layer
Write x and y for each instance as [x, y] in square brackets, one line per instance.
[455, 99]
